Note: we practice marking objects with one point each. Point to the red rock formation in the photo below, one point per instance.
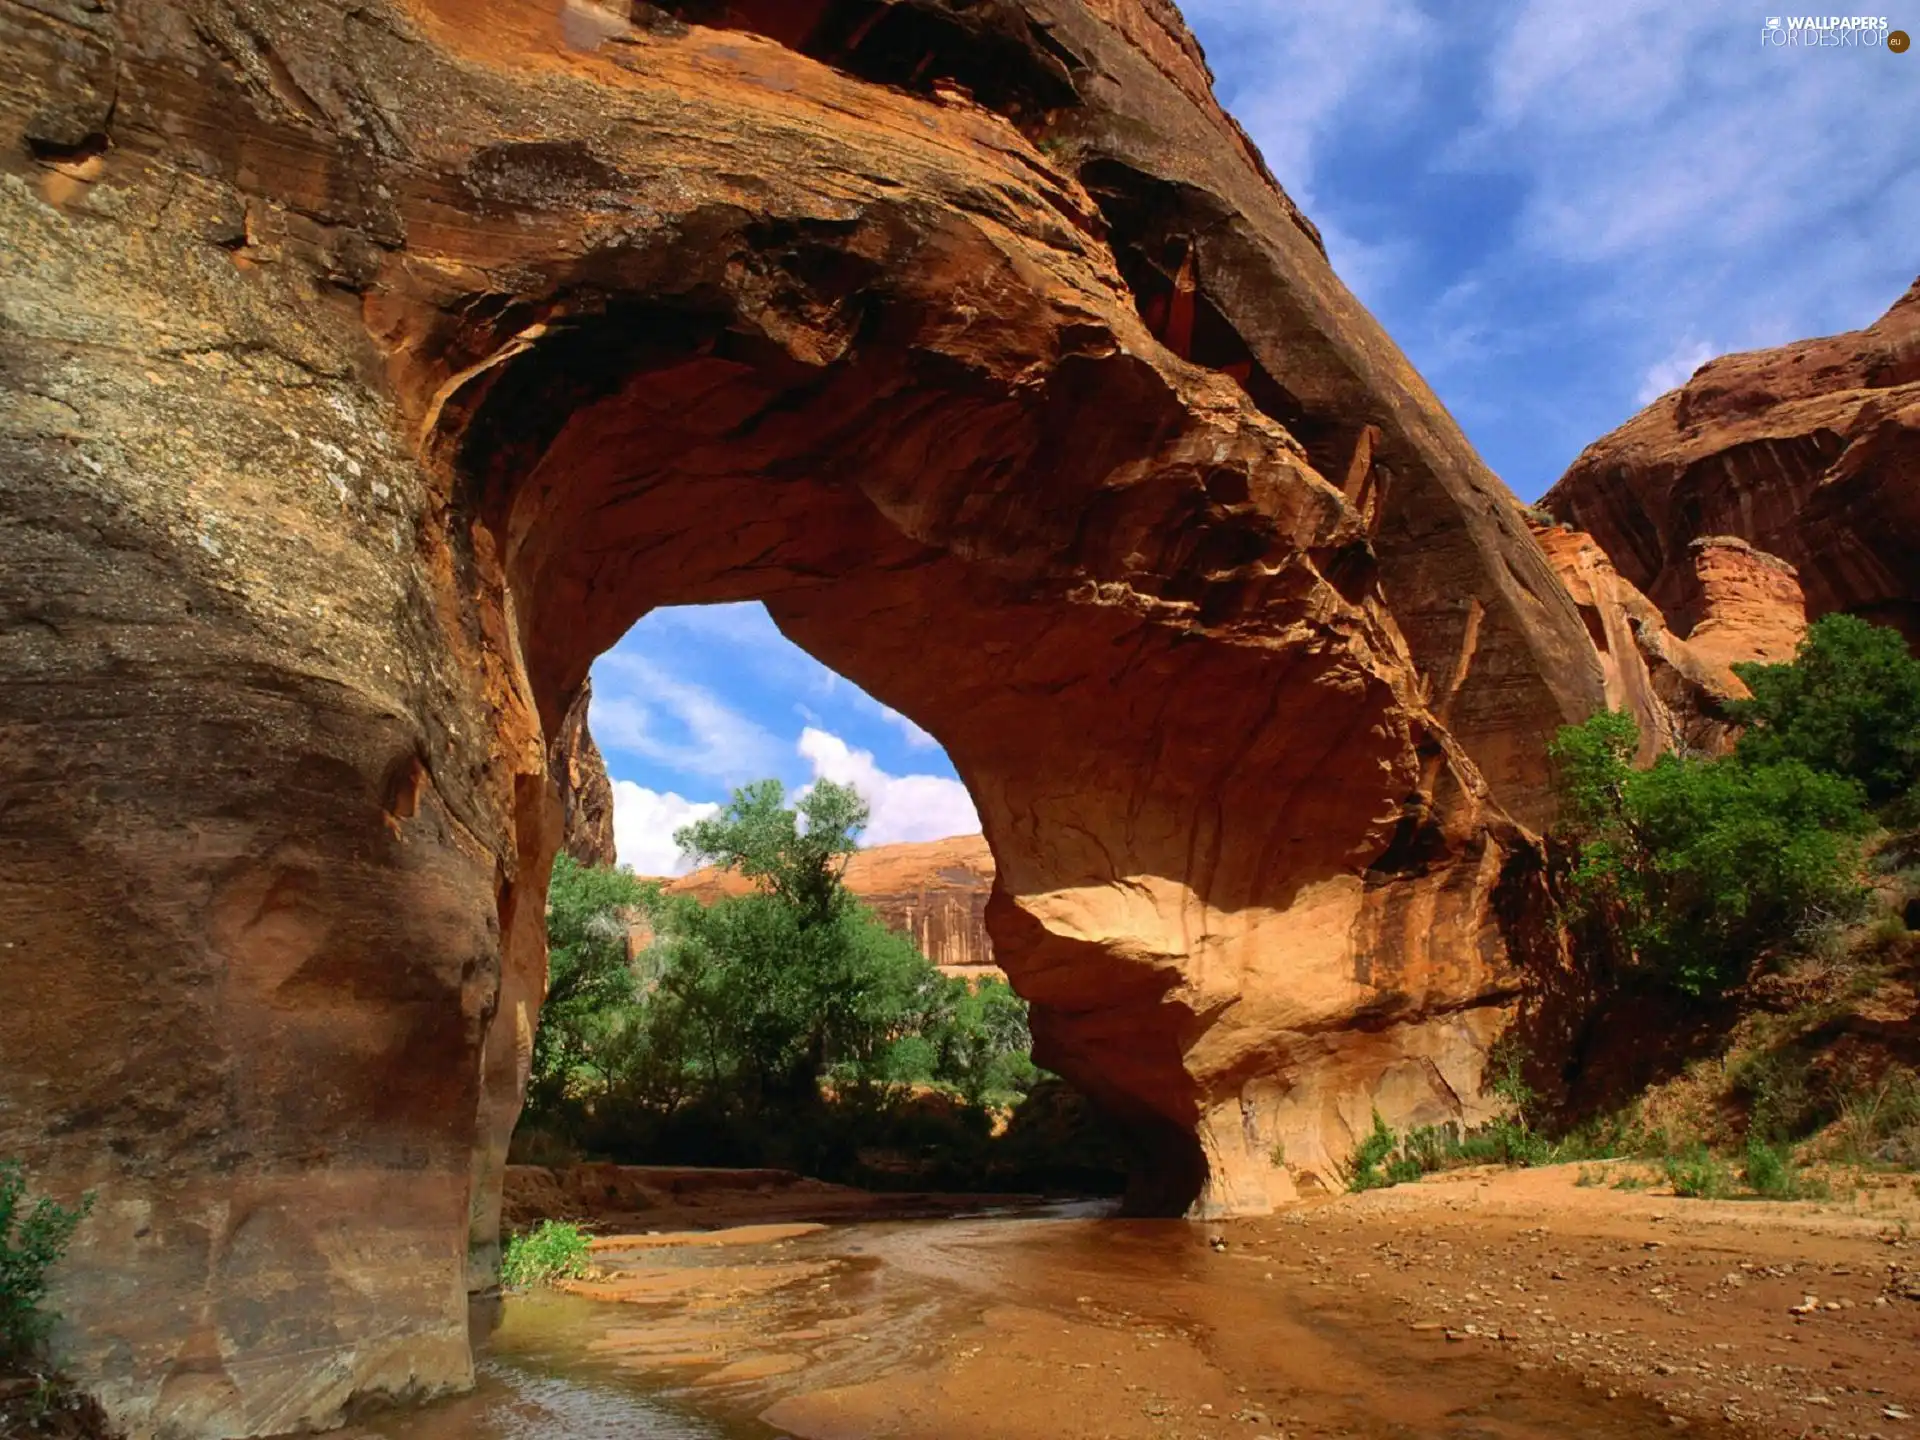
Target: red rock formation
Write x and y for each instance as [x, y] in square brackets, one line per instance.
[934, 891]
[586, 794]
[372, 365]
[1676, 690]
[1748, 601]
[1810, 452]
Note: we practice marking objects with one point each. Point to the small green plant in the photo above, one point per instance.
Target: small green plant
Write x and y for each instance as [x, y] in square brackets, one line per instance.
[1878, 1123]
[1277, 1156]
[1631, 1181]
[553, 1250]
[1363, 1170]
[1770, 1171]
[32, 1240]
[1699, 1174]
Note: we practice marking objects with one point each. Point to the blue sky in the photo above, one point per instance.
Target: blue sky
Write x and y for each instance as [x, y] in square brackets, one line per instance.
[1558, 209]
[699, 699]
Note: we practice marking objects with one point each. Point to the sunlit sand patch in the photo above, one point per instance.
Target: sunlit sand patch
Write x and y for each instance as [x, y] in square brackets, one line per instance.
[685, 1239]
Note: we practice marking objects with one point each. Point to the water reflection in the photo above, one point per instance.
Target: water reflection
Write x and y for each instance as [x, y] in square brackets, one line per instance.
[539, 1377]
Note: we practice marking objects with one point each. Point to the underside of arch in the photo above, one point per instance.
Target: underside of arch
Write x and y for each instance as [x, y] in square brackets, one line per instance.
[374, 366]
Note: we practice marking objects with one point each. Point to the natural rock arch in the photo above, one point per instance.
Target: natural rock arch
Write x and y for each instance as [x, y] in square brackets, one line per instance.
[377, 364]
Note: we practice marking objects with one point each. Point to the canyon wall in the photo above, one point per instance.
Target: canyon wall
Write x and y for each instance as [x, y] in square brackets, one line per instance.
[1809, 452]
[933, 891]
[369, 366]
[580, 779]
[1749, 607]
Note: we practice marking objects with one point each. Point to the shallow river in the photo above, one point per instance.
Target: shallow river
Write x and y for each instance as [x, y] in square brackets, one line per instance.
[1041, 1325]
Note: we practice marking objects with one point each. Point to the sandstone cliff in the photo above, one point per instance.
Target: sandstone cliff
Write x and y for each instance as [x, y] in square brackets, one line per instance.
[1810, 452]
[1749, 606]
[934, 891]
[580, 779]
[371, 365]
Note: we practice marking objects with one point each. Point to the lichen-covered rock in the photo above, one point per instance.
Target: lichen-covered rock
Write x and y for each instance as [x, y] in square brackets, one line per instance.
[1809, 452]
[371, 365]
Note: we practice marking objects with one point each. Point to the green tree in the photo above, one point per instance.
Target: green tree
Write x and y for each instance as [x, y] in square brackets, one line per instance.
[1848, 704]
[590, 981]
[1693, 868]
[779, 1026]
[984, 1043]
[796, 854]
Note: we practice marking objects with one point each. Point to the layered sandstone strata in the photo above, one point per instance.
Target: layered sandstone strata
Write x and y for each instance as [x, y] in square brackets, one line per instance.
[1810, 452]
[932, 891]
[372, 365]
[1677, 690]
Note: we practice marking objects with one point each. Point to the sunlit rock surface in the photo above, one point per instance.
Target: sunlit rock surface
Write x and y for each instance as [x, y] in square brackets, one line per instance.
[370, 367]
[933, 891]
[1809, 452]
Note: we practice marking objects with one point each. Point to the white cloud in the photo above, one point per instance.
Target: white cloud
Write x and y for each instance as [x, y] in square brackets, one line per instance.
[1696, 178]
[643, 824]
[1673, 371]
[1315, 59]
[1295, 73]
[905, 807]
[641, 708]
[916, 738]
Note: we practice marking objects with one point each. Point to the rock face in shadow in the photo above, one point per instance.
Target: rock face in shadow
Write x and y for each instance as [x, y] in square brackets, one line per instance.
[370, 367]
[934, 891]
[1810, 452]
[586, 794]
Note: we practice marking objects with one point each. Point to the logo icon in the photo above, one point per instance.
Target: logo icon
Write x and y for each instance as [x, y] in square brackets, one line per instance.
[1898, 42]
[1773, 22]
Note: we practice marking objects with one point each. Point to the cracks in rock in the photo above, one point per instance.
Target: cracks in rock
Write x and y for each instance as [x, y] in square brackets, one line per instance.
[253, 60]
[1007, 61]
[243, 348]
[1157, 230]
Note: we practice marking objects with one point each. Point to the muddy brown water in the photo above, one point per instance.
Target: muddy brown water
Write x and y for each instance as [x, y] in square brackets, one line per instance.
[1062, 1323]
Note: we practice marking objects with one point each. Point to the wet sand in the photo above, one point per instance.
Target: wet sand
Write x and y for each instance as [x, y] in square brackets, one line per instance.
[1509, 1304]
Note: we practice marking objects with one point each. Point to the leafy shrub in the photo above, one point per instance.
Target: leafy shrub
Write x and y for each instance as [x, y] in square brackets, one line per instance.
[1880, 1123]
[1772, 1173]
[1692, 868]
[1699, 1174]
[1363, 1169]
[32, 1240]
[553, 1250]
[1784, 1100]
[1847, 705]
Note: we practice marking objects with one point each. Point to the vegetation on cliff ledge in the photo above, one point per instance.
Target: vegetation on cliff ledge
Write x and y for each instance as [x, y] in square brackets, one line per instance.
[34, 1398]
[1746, 924]
[33, 1237]
[1695, 869]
